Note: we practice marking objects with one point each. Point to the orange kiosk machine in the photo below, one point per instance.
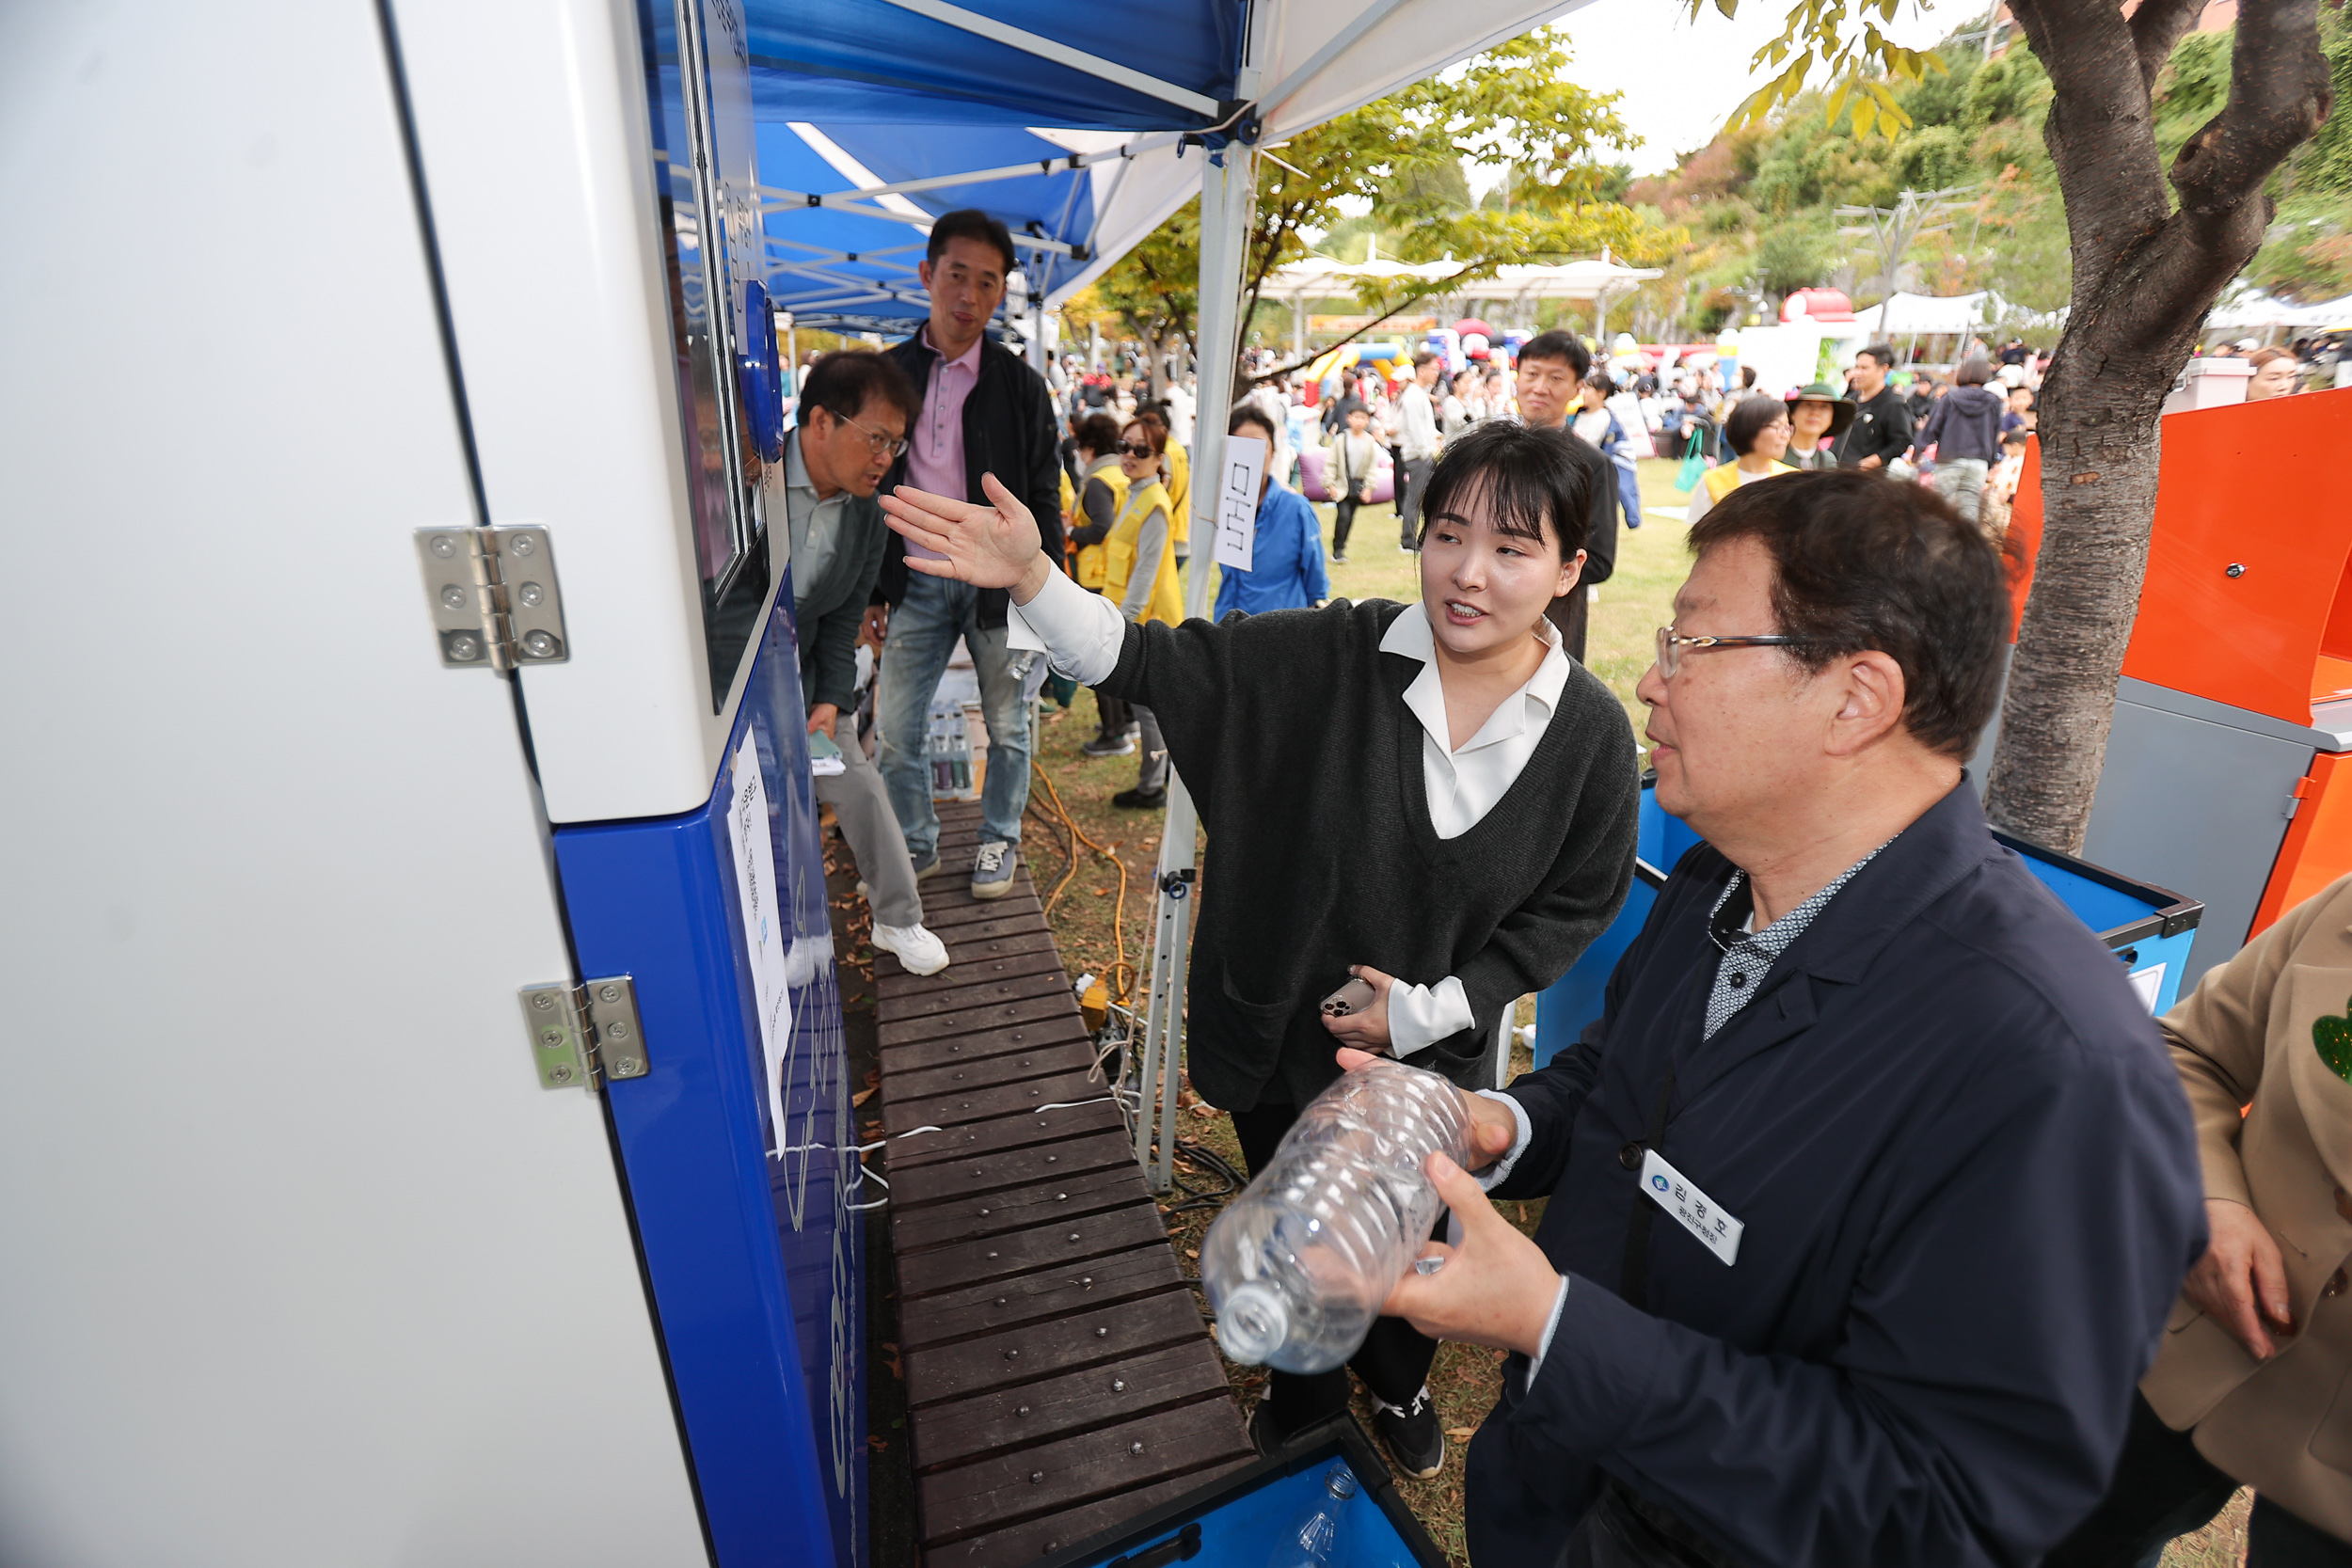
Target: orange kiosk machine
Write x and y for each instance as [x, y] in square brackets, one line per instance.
[2229, 770]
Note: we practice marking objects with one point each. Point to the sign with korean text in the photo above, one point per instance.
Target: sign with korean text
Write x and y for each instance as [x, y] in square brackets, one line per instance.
[1237, 500]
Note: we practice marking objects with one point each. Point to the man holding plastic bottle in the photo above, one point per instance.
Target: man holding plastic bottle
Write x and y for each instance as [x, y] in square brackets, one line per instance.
[1873, 1184]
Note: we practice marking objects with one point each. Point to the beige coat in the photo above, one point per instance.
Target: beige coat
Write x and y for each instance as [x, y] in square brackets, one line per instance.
[2245, 1036]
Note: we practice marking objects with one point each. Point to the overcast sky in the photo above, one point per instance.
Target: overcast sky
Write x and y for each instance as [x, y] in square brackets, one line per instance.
[1681, 79]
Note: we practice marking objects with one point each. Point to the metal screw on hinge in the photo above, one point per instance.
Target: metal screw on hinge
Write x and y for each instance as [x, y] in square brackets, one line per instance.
[531, 595]
[539, 645]
[607, 994]
[464, 646]
[444, 547]
[616, 1030]
[523, 544]
[453, 597]
[551, 1038]
[544, 1002]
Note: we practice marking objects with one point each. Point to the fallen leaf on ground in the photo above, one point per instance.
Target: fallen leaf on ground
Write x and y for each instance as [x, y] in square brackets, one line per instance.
[1207, 1113]
[1457, 1434]
[877, 1445]
[1192, 1252]
[1104, 891]
[861, 1097]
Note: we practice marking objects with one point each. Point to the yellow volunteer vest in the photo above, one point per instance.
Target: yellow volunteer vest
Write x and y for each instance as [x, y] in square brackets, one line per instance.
[1093, 560]
[1179, 495]
[1724, 480]
[1166, 604]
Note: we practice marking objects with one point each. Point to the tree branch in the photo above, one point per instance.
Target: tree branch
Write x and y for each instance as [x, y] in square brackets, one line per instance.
[2280, 92]
[2157, 26]
[2099, 126]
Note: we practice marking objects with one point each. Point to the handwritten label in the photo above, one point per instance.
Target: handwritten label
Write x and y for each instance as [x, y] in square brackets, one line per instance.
[1237, 501]
[764, 932]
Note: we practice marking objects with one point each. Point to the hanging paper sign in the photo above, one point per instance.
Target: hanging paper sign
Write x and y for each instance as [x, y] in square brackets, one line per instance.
[764, 932]
[1237, 501]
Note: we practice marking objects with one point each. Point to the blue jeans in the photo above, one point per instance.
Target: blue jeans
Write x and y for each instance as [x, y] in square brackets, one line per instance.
[924, 627]
[1629, 492]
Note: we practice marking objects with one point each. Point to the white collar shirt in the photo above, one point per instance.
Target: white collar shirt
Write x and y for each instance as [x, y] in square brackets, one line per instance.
[1464, 783]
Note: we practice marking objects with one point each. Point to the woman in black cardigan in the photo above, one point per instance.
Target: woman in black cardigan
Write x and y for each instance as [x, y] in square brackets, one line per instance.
[1431, 796]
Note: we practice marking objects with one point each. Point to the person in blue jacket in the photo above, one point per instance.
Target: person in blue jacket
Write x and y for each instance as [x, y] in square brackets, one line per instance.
[1872, 1185]
[1597, 423]
[1286, 556]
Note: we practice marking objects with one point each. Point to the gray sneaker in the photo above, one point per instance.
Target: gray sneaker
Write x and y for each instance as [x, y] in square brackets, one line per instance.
[992, 869]
[1110, 746]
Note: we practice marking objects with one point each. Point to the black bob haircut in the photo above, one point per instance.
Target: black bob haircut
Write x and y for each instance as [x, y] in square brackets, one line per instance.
[970, 223]
[1861, 562]
[845, 381]
[1522, 477]
[1747, 419]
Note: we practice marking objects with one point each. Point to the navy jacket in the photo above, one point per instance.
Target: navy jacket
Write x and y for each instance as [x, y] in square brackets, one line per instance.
[1970, 1189]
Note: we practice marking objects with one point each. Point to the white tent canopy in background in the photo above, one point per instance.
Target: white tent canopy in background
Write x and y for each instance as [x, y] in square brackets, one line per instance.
[1600, 282]
[1903, 315]
[2258, 311]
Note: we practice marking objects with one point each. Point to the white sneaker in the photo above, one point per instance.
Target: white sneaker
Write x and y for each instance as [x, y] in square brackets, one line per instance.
[920, 952]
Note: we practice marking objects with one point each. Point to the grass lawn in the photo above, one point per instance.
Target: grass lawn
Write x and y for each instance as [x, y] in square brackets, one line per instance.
[1103, 915]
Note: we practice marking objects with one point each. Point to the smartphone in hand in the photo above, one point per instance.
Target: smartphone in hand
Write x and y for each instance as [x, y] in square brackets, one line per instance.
[1350, 999]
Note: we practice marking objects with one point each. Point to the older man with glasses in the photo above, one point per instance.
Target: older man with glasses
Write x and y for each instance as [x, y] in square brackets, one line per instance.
[1872, 1182]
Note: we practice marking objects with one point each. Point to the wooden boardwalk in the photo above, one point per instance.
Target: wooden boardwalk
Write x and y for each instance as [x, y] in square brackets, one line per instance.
[1059, 1377]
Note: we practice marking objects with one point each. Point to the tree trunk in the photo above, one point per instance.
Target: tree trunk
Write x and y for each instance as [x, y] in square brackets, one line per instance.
[2145, 275]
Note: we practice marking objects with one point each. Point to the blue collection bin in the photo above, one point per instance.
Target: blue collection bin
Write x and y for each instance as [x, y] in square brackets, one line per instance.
[1236, 1520]
[2150, 928]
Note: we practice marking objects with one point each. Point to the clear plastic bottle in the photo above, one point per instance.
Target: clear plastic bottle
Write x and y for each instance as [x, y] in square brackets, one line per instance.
[1297, 1267]
[1314, 1541]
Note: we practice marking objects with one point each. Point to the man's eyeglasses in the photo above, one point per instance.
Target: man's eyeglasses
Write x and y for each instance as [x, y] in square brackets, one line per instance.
[1670, 646]
[1137, 449]
[884, 446]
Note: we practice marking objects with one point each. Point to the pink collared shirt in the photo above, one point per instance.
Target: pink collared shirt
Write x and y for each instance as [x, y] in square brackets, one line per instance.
[935, 445]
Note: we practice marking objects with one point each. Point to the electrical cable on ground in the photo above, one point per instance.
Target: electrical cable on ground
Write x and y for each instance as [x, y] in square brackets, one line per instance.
[1120, 977]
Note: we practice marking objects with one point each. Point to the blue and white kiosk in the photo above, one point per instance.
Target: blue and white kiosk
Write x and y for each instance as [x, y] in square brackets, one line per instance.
[426, 1137]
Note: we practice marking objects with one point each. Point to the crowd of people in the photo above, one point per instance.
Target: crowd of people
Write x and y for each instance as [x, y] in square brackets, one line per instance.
[2016, 1273]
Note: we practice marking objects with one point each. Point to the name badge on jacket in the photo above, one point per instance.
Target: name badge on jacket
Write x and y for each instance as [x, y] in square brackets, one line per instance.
[1691, 1209]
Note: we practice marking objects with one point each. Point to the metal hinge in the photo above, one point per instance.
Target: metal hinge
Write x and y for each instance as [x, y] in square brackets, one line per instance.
[580, 1032]
[493, 595]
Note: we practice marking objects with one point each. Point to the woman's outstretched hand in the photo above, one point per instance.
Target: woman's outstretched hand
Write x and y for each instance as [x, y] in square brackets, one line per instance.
[989, 547]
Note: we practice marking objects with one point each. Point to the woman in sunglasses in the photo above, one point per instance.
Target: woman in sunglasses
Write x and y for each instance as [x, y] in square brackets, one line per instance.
[1139, 577]
[1433, 799]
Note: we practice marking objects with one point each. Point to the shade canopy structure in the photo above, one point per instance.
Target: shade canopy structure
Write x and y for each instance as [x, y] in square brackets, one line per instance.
[1930, 315]
[1083, 127]
[2260, 311]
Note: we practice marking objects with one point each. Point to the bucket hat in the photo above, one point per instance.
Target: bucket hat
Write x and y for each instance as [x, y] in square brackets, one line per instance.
[1842, 408]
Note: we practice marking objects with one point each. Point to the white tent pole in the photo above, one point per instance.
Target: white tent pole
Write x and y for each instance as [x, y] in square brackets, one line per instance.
[1228, 201]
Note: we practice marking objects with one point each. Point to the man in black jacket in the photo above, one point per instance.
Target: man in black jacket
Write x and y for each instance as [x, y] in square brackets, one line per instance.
[1880, 432]
[1550, 379]
[1872, 1185]
[982, 411]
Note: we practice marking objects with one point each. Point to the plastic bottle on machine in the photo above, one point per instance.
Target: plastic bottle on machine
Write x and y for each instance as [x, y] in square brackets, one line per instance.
[1314, 1541]
[1297, 1267]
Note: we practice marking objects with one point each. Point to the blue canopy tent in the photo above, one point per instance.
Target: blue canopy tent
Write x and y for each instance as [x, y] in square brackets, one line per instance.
[1083, 127]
